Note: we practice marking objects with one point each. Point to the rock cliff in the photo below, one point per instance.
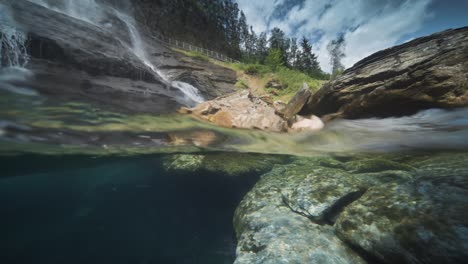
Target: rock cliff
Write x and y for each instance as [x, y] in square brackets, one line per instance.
[428, 72]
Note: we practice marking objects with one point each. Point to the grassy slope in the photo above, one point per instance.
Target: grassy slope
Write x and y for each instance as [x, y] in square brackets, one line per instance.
[255, 77]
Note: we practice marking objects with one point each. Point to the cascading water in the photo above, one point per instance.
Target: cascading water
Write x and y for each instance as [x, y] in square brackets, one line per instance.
[12, 42]
[99, 15]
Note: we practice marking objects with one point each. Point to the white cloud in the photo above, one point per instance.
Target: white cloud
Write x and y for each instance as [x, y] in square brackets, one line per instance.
[368, 25]
[259, 12]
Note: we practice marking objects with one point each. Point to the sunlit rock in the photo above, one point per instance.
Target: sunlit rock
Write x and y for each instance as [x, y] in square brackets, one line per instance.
[239, 110]
[307, 124]
[428, 72]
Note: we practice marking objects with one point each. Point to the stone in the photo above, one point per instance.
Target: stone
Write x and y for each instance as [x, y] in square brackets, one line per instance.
[239, 110]
[269, 231]
[76, 60]
[297, 102]
[274, 84]
[428, 72]
[383, 208]
[419, 222]
[279, 106]
[307, 124]
[227, 164]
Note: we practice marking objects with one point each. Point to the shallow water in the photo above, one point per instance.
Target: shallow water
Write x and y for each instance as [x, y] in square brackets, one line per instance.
[84, 182]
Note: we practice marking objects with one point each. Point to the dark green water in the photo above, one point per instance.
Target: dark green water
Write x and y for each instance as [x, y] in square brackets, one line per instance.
[82, 209]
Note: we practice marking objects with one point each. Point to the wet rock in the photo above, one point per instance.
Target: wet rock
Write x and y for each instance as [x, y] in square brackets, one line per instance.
[307, 124]
[228, 164]
[273, 222]
[77, 60]
[375, 165]
[428, 72]
[384, 208]
[419, 222]
[211, 79]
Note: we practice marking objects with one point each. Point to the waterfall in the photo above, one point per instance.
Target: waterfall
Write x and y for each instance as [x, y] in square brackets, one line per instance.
[192, 94]
[100, 15]
[13, 51]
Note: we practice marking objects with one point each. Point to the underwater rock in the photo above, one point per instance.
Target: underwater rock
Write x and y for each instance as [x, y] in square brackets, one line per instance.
[228, 164]
[419, 222]
[269, 231]
[428, 72]
[383, 209]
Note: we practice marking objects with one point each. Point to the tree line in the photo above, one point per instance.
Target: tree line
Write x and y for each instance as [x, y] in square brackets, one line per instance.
[272, 48]
[221, 26]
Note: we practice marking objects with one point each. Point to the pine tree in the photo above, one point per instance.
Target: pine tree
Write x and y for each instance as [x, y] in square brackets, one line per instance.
[279, 42]
[308, 60]
[292, 54]
[243, 31]
[262, 49]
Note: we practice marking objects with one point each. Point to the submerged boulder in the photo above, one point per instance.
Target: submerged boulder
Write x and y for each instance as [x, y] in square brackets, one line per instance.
[428, 72]
[273, 226]
[228, 164]
[379, 209]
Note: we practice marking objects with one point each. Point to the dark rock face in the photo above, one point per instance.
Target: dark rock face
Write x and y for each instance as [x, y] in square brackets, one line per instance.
[212, 80]
[387, 209]
[76, 60]
[429, 72]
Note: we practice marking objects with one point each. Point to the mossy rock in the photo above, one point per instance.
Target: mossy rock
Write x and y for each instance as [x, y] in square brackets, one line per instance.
[228, 164]
[375, 165]
[415, 222]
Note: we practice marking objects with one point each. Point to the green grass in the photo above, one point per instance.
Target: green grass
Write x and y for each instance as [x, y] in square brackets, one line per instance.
[292, 80]
[241, 83]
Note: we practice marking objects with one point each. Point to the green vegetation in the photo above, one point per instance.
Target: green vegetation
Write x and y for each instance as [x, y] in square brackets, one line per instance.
[290, 80]
[241, 83]
[194, 54]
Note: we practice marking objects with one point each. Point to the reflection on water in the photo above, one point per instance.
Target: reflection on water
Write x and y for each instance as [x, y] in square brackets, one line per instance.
[33, 123]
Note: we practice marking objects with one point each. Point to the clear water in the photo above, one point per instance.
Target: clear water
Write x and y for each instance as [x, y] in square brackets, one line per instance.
[85, 209]
[84, 184]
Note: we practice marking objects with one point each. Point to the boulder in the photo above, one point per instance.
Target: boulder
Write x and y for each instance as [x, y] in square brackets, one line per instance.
[307, 124]
[226, 164]
[428, 72]
[269, 230]
[297, 102]
[351, 209]
[239, 110]
[419, 222]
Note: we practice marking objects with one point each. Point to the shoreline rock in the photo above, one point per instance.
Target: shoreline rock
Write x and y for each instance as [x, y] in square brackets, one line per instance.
[243, 110]
[428, 72]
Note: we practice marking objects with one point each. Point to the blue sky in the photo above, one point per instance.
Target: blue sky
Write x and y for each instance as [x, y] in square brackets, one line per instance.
[368, 25]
